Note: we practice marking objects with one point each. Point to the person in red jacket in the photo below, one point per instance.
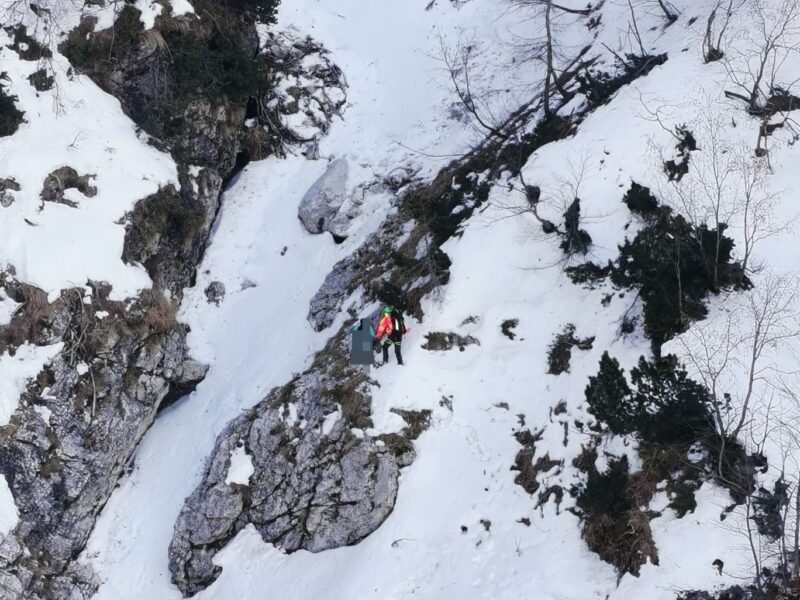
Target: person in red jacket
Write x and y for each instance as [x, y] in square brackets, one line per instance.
[391, 330]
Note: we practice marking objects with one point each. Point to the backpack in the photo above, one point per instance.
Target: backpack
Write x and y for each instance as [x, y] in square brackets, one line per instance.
[398, 324]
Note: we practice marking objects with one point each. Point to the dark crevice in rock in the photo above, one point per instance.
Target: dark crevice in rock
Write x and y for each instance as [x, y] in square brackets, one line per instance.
[242, 160]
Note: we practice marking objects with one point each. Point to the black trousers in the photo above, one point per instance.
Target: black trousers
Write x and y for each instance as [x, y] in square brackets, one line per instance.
[396, 352]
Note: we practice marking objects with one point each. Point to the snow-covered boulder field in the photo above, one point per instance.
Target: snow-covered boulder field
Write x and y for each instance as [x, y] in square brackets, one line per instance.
[583, 209]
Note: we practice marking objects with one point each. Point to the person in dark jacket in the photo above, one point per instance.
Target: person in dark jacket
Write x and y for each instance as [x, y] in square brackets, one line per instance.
[391, 329]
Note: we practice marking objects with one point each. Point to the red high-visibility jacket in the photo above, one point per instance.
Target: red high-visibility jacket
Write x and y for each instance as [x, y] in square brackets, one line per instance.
[387, 329]
[385, 326]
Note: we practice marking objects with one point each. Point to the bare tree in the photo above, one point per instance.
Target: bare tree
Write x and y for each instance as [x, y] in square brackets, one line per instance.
[724, 185]
[756, 65]
[737, 355]
[670, 12]
[547, 49]
[756, 205]
[556, 209]
[767, 44]
[706, 195]
[713, 40]
[458, 62]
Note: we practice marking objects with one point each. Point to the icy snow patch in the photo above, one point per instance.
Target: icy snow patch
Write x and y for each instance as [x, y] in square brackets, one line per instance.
[7, 308]
[15, 371]
[181, 7]
[8, 510]
[44, 412]
[330, 421]
[150, 9]
[241, 467]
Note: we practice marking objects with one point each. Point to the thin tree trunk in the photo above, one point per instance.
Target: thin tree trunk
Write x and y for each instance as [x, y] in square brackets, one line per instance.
[796, 557]
[549, 58]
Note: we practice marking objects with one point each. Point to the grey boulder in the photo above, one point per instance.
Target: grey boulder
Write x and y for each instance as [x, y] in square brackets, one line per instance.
[321, 203]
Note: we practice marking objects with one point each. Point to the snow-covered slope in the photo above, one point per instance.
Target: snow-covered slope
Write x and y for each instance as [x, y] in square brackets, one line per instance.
[463, 525]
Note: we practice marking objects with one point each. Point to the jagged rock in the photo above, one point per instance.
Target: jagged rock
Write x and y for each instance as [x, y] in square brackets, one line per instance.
[322, 201]
[437, 340]
[315, 486]
[359, 269]
[62, 469]
[310, 88]
[65, 178]
[6, 187]
[324, 306]
[215, 292]
[168, 231]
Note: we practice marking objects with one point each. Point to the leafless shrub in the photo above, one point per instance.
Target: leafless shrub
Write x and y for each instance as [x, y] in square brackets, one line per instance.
[155, 311]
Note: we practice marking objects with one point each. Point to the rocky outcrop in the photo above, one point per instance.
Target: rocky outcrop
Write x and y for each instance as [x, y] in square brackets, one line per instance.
[78, 423]
[215, 292]
[439, 340]
[63, 179]
[318, 481]
[7, 187]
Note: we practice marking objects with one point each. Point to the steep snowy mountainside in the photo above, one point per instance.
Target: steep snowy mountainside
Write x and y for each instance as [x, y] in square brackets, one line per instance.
[596, 259]
[384, 83]
[102, 229]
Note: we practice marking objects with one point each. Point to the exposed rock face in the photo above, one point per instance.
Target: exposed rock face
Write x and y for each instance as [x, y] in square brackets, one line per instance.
[77, 425]
[316, 484]
[321, 203]
[121, 362]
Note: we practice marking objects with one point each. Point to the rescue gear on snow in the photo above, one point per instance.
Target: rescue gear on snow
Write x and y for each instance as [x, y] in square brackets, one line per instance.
[361, 335]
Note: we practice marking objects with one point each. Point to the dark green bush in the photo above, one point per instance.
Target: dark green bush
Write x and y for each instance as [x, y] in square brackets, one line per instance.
[444, 211]
[212, 67]
[640, 200]
[606, 493]
[26, 47]
[589, 273]
[262, 11]
[559, 353]
[609, 397]
[663, 405]
[768, 509]
[574, 240]
[672, 407]
[209, 59]
[613, 525]
[10, 116]
[673, 264]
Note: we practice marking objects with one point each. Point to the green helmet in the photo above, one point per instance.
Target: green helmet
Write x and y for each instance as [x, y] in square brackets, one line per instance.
[387, 310]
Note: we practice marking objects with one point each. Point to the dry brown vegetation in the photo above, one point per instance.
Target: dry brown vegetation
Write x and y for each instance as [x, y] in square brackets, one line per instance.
[28, 320]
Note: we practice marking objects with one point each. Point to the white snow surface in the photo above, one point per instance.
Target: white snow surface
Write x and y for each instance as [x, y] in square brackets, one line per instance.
[8, 510]
[55, 246]
[15, 371]
[240, 468]
[457, 529]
